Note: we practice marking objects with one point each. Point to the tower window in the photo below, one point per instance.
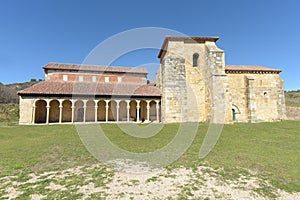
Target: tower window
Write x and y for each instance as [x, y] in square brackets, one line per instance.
[65, 77]
[80, 78]
[119, 79]
[195, 60]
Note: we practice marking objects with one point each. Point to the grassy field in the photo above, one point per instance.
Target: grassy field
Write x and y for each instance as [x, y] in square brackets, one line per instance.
[269, 150]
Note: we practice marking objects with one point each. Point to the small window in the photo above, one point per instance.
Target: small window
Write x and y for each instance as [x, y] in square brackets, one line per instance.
[94, 78]
[80, 78]
[119, 79]
[195, 60]
[65, 77]
[106, 79]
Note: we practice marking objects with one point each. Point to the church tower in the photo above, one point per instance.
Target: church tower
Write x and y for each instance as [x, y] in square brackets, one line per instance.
[193, 81]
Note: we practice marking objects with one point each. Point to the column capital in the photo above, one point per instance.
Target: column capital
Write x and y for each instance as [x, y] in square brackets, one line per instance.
[48, 102]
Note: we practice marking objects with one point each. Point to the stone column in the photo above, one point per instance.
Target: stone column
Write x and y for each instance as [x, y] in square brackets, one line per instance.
[128, 110]
[33, 114]
[84, 110]
[157, 110]
[118, 109]
[106, 110]
[73, 110]
[96, 110]
[48, 112]
[148, 110]
[60, 110]
[138, 110]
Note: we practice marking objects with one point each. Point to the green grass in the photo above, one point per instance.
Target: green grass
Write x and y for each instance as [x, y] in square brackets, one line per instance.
[270, 150]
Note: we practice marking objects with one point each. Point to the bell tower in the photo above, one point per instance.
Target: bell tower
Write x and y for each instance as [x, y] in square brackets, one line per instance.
[193, 81]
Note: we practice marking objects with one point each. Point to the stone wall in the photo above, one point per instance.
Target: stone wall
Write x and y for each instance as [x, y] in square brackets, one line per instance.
[26, 110]
[257, 97]
[174, 88]
[194, 93]
[293, 113]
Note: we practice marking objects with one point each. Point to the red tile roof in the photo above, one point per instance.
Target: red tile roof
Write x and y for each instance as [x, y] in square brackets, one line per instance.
[249, 68]
[87, 88]
[94, 68]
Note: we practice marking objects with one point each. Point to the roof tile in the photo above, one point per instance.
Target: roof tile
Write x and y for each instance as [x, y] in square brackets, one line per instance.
[86, 88]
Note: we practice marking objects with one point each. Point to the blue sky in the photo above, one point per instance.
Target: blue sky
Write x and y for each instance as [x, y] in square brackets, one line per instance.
[252, 32]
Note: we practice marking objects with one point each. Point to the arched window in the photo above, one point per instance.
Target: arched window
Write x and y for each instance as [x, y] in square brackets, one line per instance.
[195, 60]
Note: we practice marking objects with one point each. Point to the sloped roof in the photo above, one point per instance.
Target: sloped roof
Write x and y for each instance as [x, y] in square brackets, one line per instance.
[250, 68]
[94, 68]
[88, 88]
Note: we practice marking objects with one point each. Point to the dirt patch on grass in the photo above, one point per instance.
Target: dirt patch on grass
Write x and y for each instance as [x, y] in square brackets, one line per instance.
[98, 181]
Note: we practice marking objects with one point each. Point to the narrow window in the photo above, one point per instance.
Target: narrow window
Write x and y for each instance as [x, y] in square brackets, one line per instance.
[106, 79]
[119, 79]
[65, 77]
[195, 60]
[94, 79]
[80, 78]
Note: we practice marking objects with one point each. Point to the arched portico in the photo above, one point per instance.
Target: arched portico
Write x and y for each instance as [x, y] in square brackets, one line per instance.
[112, 111]
[79, 111]
[66, 111]
[54, 111]
[123, 110]
[40, 113]
[90, 111]
[102, 110]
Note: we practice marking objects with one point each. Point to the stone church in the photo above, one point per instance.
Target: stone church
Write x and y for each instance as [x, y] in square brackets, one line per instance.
[192, 84]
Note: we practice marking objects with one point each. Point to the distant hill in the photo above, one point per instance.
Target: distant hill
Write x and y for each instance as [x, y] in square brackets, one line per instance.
[292, 98]
[8, 92]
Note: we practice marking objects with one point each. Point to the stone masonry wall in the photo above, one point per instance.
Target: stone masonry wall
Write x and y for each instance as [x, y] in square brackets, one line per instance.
[257, 97]
[194, 93]
[26, 110]
[174, 88]
[221, 101]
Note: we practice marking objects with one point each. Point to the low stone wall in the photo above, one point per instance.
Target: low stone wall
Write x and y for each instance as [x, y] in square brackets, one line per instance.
[293, 113]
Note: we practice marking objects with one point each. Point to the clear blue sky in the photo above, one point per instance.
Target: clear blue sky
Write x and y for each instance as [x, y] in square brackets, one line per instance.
[252, 32]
